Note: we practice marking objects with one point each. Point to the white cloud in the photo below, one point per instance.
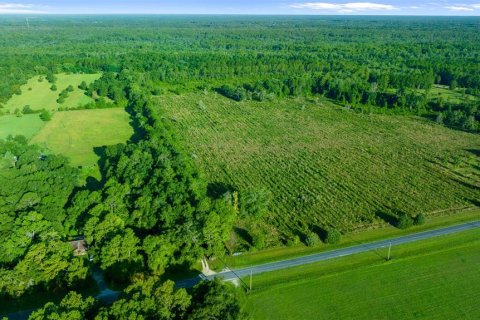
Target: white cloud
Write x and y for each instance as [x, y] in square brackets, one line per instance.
[349, 7]
[458, 8]
[476, 6]
[14, 8]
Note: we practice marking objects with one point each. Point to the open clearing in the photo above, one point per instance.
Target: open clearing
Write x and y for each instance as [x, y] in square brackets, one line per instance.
[39, 96]
[76, 133]
[432, 279]
[327, 166]
[26, 125]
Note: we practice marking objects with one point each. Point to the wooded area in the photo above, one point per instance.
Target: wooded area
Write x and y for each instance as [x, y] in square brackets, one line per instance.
[153, 210]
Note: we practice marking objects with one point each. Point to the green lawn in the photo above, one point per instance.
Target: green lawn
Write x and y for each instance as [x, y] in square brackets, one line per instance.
[75, 133]
[39, 96]
[433, 279]
[26, 125]
[324, 165]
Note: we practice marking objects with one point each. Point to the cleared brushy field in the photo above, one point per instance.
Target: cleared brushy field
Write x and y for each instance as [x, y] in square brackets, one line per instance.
[325, 165]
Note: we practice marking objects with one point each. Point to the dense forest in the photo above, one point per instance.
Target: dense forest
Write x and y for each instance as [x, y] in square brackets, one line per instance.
[151, 211]
[371, 64]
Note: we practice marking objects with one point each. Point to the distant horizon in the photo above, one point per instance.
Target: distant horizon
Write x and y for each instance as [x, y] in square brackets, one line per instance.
[238, 15]
[449, 8]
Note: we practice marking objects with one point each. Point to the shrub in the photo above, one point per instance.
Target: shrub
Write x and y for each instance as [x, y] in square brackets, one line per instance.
[27, 109]
[333, 236]
[45, 115]
[419, 219]
[83, 86]
[312, 239]
[294, 241]
[404, 221]
[53, 87]
[259, 240]
[51, 78]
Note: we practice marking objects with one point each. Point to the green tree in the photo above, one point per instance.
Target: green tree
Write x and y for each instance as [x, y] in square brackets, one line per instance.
[419, 219]
[149, 298]
[404, 221]
[216, 300]
[72, 307]
[45, 115]
[333, 236]
[312, 239]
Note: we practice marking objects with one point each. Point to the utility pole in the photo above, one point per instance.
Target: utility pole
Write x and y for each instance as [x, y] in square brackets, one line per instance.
[251, 273]
[389, 250]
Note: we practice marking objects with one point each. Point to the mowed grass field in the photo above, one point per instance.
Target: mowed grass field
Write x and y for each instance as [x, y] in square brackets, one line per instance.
[324, 165]
[26, 125]
[76, 133]
[39, 96]
[434, 279]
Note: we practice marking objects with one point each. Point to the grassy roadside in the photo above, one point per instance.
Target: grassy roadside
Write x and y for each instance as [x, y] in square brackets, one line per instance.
[434, 278]
[276, 254]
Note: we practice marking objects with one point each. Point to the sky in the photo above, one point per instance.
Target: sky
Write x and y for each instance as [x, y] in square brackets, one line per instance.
[298, 7]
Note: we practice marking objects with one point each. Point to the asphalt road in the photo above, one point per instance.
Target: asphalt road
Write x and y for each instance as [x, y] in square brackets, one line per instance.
[372, 246]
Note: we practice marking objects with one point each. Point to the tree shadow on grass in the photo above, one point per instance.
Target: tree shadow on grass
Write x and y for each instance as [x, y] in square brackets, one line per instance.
[216, 190]
[244, 235]
[320, 231]
[475, 152]
[387, 217]
[475, 202]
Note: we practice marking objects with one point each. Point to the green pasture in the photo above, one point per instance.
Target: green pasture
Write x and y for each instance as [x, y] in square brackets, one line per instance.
[432, 279]
[76, 133]
[38, 95]
[325, 165]
[26, 125]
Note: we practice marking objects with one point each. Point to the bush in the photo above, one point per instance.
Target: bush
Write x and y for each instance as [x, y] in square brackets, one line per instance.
[294, 241]
[333, 236]
[45, 115]
[51, 78]
[312, 239]
[27, 109]
[53, 87]
[419, 219]
[404, 221]
[83, 86]
[69, 88]
[237, 94]
[259, 240]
